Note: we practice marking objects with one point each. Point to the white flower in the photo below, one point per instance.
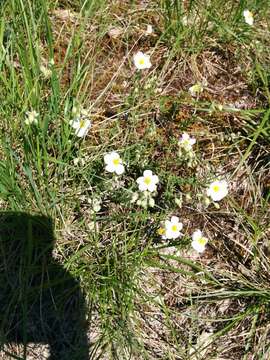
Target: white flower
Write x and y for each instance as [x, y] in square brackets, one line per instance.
[196, 89]
[186, 142]
[31, 118]
[173, 228]
[149, 30]
[217, 190]
[113, 163]
[81, 124]
[142, 61]
[148, 181]
[248, 17]
[199, 241]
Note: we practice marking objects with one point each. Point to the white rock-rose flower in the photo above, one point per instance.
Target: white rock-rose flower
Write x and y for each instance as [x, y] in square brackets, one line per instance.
[217, 190]
[173, 228]
[148, 181]
[248, 17]
[198, 241]
[114, 163]
[81, 124]
[142, 61]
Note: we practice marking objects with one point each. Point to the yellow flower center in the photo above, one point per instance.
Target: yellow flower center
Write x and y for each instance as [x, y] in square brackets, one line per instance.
[116, 162]
[216, 188]
[82, 124]
[141, 61]
[174, 228]
[147, 180]
[161, 231]
[202, 241]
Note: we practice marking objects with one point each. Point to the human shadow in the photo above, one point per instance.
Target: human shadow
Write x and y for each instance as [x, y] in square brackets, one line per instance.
[40, 301]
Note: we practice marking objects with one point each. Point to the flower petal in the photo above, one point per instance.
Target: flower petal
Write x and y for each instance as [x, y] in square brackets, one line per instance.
[147, 173]
[180, 226]
[74, 123]
[110, 168]
[198, 247]
[140, 180]
[155, 179]
[167, 224]
[196, 235]
[120, 169]
[107, 158]
[174, 219]
[142, 186]
[114, 155]
[152, 187]
[185, 136]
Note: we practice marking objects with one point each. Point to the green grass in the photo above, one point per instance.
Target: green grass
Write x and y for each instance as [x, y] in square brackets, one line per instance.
[147, 298]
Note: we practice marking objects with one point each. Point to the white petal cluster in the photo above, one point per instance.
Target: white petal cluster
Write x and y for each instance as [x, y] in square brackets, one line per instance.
[198, 241]
[81, 124]
[141, 61]
[148, 182]
[173, 228]
[217, 190]
[114, 163]
[248, 17]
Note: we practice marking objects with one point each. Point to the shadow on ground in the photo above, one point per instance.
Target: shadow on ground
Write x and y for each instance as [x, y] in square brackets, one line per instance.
[40, 301]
